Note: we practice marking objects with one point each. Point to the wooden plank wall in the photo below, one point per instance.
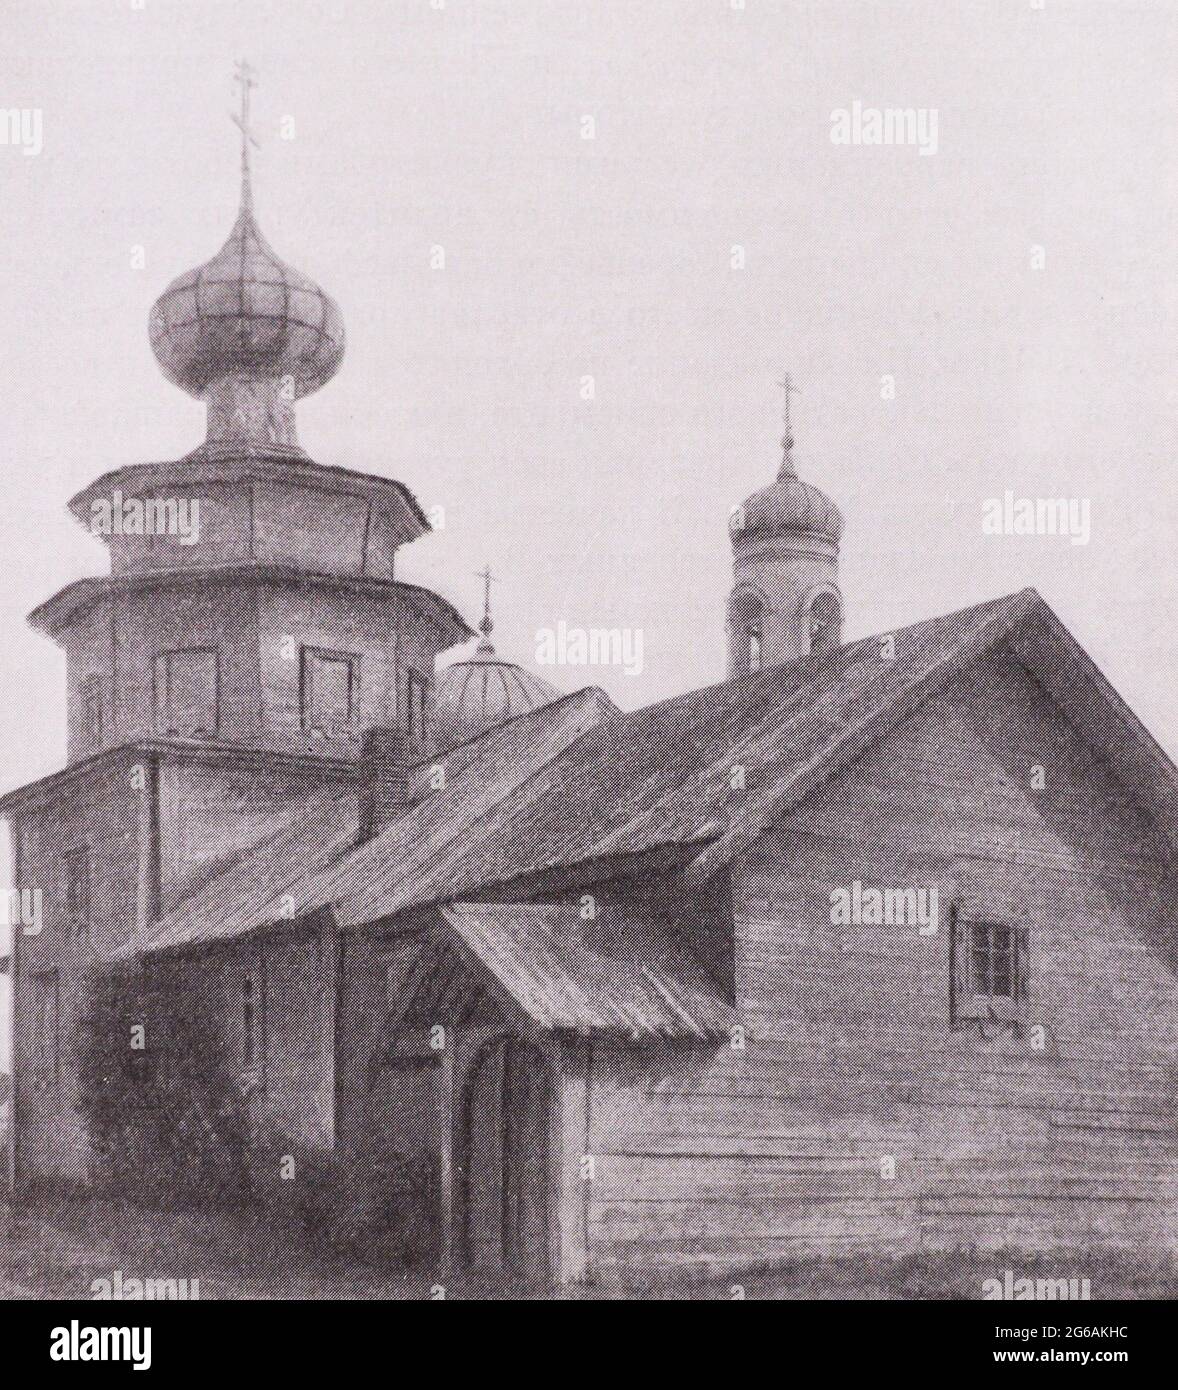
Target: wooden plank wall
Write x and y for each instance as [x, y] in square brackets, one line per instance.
[101, 812]
[731, 1157]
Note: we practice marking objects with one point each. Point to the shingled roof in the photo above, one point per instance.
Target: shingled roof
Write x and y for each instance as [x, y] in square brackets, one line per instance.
[626, 976]
[284, 876]
[662, 776]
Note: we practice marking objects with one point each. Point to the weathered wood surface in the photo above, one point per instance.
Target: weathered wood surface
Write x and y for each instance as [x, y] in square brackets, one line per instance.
[850, 1056]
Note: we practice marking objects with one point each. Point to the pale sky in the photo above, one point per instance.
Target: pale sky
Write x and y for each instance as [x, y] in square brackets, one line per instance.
[460, 125]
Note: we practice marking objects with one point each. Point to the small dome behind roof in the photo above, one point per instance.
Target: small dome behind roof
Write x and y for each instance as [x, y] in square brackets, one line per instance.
[788, 506]
[473, 696]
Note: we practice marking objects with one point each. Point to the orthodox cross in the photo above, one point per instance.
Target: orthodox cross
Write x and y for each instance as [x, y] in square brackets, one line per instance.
[488, 579]
[246, 78]
[787, 439]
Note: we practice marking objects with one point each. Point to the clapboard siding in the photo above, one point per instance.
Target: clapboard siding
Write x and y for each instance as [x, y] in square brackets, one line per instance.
[728, 1156]
[101, 816]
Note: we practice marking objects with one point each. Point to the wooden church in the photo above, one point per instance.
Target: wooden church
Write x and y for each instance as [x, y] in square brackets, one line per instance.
[555, 989]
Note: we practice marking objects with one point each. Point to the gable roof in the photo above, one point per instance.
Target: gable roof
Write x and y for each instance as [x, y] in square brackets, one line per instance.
[289, 874]
[629, 783]
[627, 976]
[260, 885]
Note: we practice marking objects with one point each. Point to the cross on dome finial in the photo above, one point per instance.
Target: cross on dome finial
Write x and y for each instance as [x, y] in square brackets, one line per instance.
[486, 625]
[246, 78]
[787, 440]
[245, 332]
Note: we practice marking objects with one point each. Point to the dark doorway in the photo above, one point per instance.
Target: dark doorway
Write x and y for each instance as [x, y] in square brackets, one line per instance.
[506, 1143]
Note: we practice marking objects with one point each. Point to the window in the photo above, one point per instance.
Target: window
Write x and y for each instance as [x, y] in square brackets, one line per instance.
[44, 1040]
[330, 681]
[989, 970]
[77, 888]
[417, 704]
[185, 692]
[253, 1023]
[826, 618]
[92, 712]
[754, 649]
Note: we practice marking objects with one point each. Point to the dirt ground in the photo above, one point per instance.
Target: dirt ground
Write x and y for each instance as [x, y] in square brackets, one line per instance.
[57, 1248]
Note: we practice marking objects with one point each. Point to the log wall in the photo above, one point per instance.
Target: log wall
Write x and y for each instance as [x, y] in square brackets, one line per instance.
[850, 1055]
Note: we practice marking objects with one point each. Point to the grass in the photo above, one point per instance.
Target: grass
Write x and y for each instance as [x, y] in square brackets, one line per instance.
[55, 1247]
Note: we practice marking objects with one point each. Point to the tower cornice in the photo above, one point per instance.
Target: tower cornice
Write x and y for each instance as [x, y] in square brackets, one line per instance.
[197, 468]
[57, 612]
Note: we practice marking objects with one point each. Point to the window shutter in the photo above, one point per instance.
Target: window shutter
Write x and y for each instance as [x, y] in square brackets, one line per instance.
[185, 692]
[963, 1003]
[1022, 962]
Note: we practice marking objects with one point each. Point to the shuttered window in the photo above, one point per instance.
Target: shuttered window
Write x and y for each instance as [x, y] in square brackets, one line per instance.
[185, 689]
[989, 969]
[329, 687]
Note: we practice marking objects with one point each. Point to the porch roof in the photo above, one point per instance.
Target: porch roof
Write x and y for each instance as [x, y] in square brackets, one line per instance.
[625, 975]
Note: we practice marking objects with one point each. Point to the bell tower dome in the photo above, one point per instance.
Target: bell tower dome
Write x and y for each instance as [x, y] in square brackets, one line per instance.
[785, 599]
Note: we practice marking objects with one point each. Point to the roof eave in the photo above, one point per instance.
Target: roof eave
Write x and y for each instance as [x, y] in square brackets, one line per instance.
[55, 613]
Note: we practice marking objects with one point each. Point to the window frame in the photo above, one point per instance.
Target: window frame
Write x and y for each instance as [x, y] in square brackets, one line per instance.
[252, 998]
[78, 904]
[160, 724]
[417, 684]
[351, 660]
[822, 631]
[748, 609]
[45, 1041]
[968, 1003]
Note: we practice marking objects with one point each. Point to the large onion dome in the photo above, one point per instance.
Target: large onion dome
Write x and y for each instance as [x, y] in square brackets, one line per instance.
[788, 506]
[247, 334]
[246, 313]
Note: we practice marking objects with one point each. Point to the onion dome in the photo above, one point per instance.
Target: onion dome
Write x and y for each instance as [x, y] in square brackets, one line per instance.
[246, 313]
[473, 696]
[245, 332]
[788, 506]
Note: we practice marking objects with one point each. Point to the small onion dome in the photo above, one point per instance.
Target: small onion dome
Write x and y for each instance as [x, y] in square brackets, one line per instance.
[246, 314]
[473, 696]
[786, 507]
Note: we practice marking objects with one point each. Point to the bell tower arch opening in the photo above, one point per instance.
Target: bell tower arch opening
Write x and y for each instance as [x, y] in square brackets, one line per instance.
[825, 619]
[747, 613]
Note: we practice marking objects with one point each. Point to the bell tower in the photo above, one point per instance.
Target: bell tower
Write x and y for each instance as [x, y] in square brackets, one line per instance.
[231, 673]
[785, 599]
[252, 599]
